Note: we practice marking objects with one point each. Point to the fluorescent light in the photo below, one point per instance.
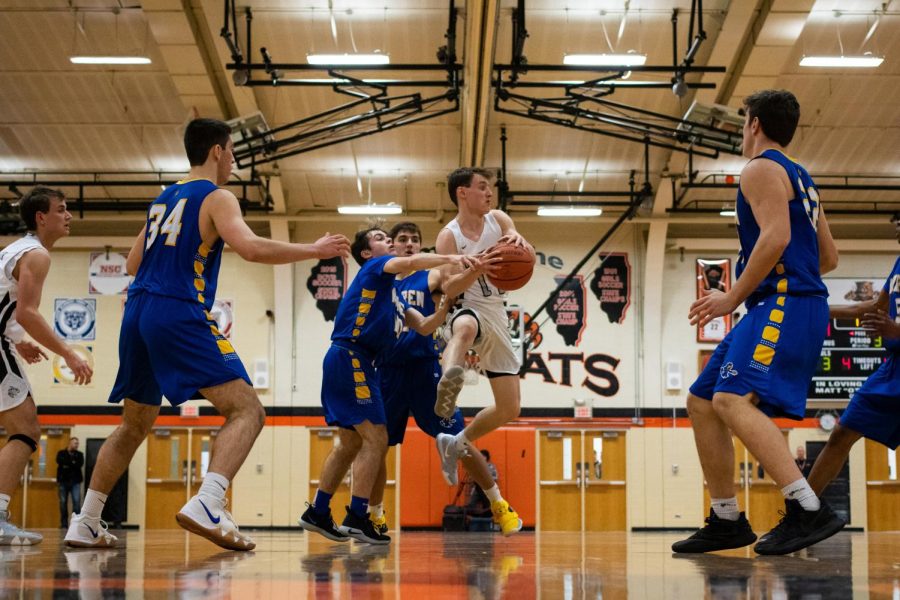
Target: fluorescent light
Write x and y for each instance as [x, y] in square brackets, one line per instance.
[348, 59]
[841, 61]
[371, 209]
[605, 60]
[727, 212]
[110, 60]
[569, 211]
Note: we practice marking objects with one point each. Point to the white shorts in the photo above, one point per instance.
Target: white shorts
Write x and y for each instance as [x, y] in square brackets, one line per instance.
[493, 342]
[14, 386]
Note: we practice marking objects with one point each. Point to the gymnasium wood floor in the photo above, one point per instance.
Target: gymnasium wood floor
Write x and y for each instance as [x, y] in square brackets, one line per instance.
[427, 565]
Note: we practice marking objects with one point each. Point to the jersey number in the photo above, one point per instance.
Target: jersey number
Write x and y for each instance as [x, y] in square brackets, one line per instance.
[810, 203]
[171, 227]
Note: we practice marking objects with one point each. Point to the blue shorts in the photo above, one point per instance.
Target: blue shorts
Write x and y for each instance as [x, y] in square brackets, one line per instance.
[413, 388]
[773, 351]
[350, 392]
[874, 410]
[168, 346]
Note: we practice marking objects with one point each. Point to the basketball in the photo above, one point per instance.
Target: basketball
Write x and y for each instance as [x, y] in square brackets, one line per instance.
[515, 268]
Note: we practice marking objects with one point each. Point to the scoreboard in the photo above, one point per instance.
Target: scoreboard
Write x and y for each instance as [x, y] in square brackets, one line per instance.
[849, 355]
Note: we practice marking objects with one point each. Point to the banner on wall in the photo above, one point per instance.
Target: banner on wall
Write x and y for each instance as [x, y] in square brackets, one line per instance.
[611, 284]
[107, 274]
[713, 274]
[223, 314]
[62, 375]
[75, 319]
[568, 309]
[327, 283]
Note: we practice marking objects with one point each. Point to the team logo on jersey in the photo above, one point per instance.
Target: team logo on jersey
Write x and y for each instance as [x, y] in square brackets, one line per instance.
[727, 370]
[75, 318]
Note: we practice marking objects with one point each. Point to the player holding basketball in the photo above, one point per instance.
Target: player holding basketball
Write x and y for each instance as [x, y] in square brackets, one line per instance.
[874, 411]
[24, 265]
[479, 322]
[169, 343]
[370, 317]
[763, 367]
[410, 371]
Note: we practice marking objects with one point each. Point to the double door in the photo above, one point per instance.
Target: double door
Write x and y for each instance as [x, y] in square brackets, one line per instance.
[582, 480]
[177, 461]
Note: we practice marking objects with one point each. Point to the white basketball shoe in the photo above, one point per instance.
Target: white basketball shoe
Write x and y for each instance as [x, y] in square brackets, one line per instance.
[202, 516]
[87, 532]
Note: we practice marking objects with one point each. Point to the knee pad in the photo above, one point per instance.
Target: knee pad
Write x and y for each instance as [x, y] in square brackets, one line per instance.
[25, 440]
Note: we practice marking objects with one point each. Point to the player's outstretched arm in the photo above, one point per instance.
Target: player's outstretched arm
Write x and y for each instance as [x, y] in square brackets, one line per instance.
[828, 254]
[32, 272]
[427, 325]
[856, 311]
[225, 213]
[420, 262]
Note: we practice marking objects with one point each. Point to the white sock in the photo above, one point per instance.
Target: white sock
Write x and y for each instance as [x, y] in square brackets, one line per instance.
[462, 442]
[800, 491]
[93, 504]
[726, 508]
[214, 487]
[4, 501]
[377, 510]
[493, 494]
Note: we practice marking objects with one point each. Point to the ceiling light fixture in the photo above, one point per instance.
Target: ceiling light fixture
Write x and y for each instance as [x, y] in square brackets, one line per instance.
[866, 61]
[348, 59]
[569, 211]
[371, 209]
[110, 60]
[605, 60]
[727, 211]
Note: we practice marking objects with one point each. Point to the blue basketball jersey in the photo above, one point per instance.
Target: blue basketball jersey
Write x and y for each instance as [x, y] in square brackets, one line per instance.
[797, 271]
[411, 345]
[369, 317]
[176, 262]
[892, 288]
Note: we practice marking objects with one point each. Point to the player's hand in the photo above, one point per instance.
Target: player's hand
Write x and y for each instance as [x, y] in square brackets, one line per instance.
[79, 367]
[30, 353]
[461, 260]
[713, 304]
[486, 262]
[514, 238]
[329, 246]
[881, 323]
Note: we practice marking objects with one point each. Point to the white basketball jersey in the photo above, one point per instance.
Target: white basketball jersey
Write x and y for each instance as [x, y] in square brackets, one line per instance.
[9, 287]
[482, 292]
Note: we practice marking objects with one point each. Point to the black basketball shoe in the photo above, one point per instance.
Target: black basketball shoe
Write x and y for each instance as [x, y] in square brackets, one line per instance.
[718, 534]
[799, 528]
[321, 524]
[361, 528]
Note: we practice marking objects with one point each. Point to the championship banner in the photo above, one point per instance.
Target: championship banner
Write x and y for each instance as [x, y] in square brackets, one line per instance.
[568, 310]
[327, 283]
[223, 314]
[107, 275]
[62, 375]
[75, 319]
[611, 285]
[713, 274]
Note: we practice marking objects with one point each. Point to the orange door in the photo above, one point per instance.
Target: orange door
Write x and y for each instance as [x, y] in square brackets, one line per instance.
[42, 499]
[167, 476]
[202, 447]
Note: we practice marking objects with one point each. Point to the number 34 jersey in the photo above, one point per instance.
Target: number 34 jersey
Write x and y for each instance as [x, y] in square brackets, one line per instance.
[176, 262]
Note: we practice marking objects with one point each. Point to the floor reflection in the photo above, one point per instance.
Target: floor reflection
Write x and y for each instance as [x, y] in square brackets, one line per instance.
[426, 565]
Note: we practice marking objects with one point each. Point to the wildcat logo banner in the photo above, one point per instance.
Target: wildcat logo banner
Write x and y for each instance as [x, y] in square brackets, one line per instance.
[75, 319]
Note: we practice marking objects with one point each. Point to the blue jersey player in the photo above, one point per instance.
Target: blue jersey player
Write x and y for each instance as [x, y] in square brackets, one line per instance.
[763, 368]
[874, 411]
[370, 317]
[409, 374]
[169, 343]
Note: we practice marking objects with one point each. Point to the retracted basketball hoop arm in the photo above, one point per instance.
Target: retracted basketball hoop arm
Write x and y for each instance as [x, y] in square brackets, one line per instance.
[372, 110]
[577, 109]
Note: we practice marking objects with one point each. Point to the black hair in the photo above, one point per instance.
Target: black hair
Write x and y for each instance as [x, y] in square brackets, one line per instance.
[463, 178]
[360, 243]
[201, 135]
[407, 226]
[37, 200]
[778, 112]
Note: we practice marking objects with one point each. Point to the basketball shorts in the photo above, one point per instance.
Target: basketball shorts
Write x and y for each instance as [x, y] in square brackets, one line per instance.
[773, 351]
[171, 347]
[14, 386]
[412, 388]
[350, 390]
[493, 344]
[874, 410]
